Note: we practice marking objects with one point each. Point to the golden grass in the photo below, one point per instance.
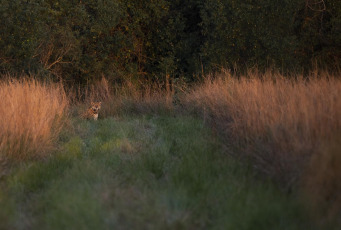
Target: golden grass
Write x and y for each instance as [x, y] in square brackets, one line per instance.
[283, 125]
[32, 115]
[288, 117]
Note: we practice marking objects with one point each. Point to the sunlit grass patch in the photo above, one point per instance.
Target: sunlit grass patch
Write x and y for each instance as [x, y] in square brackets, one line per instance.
[281, 121]
[278, 122]
[33, 114]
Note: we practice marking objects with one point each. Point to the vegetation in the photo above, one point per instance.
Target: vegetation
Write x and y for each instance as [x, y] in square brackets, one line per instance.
[288, 128]
[150, 161]
[80, 41]
[280, 118]
[147, 172]
[216, 114]
[33, 115]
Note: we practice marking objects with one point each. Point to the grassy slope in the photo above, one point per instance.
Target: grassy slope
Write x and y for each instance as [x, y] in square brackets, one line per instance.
[142, 173]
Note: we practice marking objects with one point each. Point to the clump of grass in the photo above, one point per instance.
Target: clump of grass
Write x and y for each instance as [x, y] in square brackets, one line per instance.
[289, 117]
[32, 116]
[278, 122]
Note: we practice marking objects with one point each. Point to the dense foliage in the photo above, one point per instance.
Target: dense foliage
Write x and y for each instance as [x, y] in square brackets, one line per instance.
[80, 40]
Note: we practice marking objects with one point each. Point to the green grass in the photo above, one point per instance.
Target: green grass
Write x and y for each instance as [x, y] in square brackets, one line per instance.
[153, 172]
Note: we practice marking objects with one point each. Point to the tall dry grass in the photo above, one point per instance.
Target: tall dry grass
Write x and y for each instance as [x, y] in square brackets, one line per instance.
[32, 115]
[141, 97]
[278, 122]
[127, 97]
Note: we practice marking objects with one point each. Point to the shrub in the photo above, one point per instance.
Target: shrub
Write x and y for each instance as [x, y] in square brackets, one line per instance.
[32, 115]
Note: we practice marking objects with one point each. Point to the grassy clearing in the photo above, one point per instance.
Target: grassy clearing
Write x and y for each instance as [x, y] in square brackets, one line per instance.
[166, 171]
[143, 173]
[32, 116]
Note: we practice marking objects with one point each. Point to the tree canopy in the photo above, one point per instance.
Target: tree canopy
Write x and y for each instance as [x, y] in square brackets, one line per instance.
[81, 40]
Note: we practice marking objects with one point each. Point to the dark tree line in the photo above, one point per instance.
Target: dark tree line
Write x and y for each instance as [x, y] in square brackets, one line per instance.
[80, 40]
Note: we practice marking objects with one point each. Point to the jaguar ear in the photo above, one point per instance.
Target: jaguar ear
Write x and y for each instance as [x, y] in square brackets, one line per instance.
[100, 103]
[92, 103]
